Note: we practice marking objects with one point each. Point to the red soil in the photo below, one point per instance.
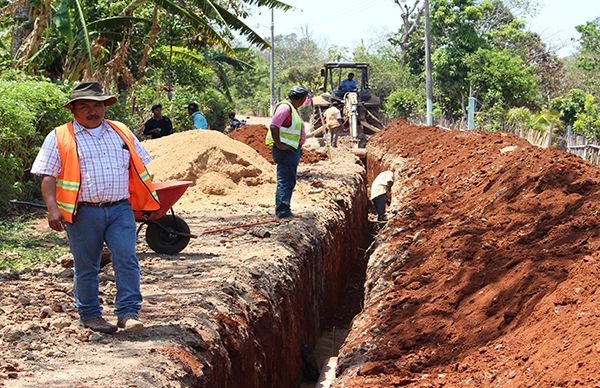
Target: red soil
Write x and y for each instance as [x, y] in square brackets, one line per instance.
[487, 274]
[254, 136]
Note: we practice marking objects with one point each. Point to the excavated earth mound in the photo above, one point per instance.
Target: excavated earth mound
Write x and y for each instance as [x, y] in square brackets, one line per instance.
[487, 273]
[254, 136]
[216, 164]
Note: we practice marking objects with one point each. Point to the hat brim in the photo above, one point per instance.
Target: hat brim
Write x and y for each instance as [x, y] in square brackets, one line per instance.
[108, 100]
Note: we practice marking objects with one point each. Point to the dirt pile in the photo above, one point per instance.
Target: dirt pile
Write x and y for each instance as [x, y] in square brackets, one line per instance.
[215, 163]
[254, 136]
[487, 273]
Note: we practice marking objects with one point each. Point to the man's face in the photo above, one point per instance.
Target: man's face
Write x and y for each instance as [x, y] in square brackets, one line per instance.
[297, 103]
[157, 112]
[89, 113]
[350, 77]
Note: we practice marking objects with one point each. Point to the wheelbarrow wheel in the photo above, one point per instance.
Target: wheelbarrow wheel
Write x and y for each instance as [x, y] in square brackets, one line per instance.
[166, 237]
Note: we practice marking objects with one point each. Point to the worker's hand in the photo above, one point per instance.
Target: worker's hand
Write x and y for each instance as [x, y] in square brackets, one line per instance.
[56, 221]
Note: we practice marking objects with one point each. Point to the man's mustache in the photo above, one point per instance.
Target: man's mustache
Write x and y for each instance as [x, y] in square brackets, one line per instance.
[92, 117]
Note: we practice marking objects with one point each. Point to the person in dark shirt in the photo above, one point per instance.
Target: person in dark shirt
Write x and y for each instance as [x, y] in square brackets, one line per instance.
[158, 125]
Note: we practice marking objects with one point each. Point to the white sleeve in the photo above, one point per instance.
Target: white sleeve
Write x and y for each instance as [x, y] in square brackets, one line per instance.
[47, 161]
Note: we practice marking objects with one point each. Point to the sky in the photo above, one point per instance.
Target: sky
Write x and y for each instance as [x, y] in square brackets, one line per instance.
[348, 22]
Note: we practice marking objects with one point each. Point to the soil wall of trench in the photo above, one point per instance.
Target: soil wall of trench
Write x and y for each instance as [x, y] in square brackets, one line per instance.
[486, 272]
[263, 348]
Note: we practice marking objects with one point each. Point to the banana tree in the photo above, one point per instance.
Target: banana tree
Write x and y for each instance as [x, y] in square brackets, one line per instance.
[91, 48]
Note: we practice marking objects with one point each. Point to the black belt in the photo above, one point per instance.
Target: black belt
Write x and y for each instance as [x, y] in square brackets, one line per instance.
[100, 204]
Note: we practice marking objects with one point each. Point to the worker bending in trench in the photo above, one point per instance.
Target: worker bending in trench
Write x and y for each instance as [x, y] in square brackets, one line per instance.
[286, 135]
[381, 193]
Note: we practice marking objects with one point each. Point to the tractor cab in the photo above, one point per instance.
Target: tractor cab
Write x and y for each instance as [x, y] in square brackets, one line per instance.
[360, 108]
[336, 77]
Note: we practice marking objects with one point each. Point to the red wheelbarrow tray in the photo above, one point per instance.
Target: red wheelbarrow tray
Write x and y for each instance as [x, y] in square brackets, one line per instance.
[168, 194]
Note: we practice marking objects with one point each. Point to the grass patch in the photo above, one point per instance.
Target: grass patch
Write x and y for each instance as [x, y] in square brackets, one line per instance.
[25, 241]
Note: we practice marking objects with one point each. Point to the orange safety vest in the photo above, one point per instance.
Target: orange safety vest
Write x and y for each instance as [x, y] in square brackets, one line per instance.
[142, 195]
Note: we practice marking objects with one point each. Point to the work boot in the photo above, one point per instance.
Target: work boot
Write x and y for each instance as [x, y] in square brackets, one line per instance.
[130, 323]
[99, 324]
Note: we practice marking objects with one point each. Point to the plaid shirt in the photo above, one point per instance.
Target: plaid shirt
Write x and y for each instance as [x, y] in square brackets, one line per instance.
[103, 161]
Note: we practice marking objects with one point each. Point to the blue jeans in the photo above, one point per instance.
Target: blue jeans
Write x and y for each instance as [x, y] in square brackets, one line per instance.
[287, 167]
[91, 227]
[380, 202]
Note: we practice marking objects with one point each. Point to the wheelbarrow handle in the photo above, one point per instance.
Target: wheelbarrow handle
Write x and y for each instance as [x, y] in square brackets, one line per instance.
[31, 204]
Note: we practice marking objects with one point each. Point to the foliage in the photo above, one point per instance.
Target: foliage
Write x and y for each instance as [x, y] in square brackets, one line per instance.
[213, 106]
[588, 120]
[405, 103]
[500, 79]
[590, 45]
[298, 60]
[569, 105]
[588, 57]
[121, 33]
[386, 72]
[482, 46]
[30, 109]
[20, 249]
[250, 89]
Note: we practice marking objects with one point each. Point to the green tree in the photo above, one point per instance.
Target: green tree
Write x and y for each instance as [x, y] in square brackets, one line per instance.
[570, 105]
[588, 120]
[500, 79]
[387, 72]
[483, 46]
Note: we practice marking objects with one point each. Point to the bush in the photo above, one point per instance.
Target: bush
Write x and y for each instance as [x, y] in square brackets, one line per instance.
[31, 108]
[213, 105]
[405, 103]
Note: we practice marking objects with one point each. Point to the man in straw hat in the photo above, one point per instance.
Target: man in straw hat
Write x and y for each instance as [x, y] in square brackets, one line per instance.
[93, 175]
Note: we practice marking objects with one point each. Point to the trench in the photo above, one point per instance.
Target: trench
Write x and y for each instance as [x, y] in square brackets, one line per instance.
[283, 339]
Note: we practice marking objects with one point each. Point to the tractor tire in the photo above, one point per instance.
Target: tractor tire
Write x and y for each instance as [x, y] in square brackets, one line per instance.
[166, 240]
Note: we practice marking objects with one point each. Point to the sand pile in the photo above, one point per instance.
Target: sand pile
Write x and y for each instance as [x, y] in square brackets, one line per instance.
[254, 136]
[488, 273]
[215, 163]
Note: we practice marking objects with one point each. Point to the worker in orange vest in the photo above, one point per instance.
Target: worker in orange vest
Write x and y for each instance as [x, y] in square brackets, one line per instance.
[93, 178]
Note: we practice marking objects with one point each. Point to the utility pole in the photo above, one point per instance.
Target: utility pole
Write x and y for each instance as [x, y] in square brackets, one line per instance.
[428, 76]
[471, 113]
[272, 106]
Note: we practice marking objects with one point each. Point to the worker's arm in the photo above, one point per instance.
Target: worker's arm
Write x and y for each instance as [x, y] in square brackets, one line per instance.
[388, 194]
[277, 140]
[55, 219]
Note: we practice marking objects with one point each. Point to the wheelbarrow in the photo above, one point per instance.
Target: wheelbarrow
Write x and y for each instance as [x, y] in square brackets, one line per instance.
[166, 233]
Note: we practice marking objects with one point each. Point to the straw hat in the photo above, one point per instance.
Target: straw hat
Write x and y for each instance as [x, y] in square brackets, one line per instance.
[90, 91]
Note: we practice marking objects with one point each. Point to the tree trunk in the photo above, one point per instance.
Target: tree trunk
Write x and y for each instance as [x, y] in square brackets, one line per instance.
[22, 27]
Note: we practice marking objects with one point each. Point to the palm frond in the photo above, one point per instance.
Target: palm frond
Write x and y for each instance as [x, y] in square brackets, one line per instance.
[224, 81]
[199, 23]
[86, 35]
[233, 62]
[270, 4]
[117, 22]
[110, 35]
[208, 8]
[242, 28]
[184, 54]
